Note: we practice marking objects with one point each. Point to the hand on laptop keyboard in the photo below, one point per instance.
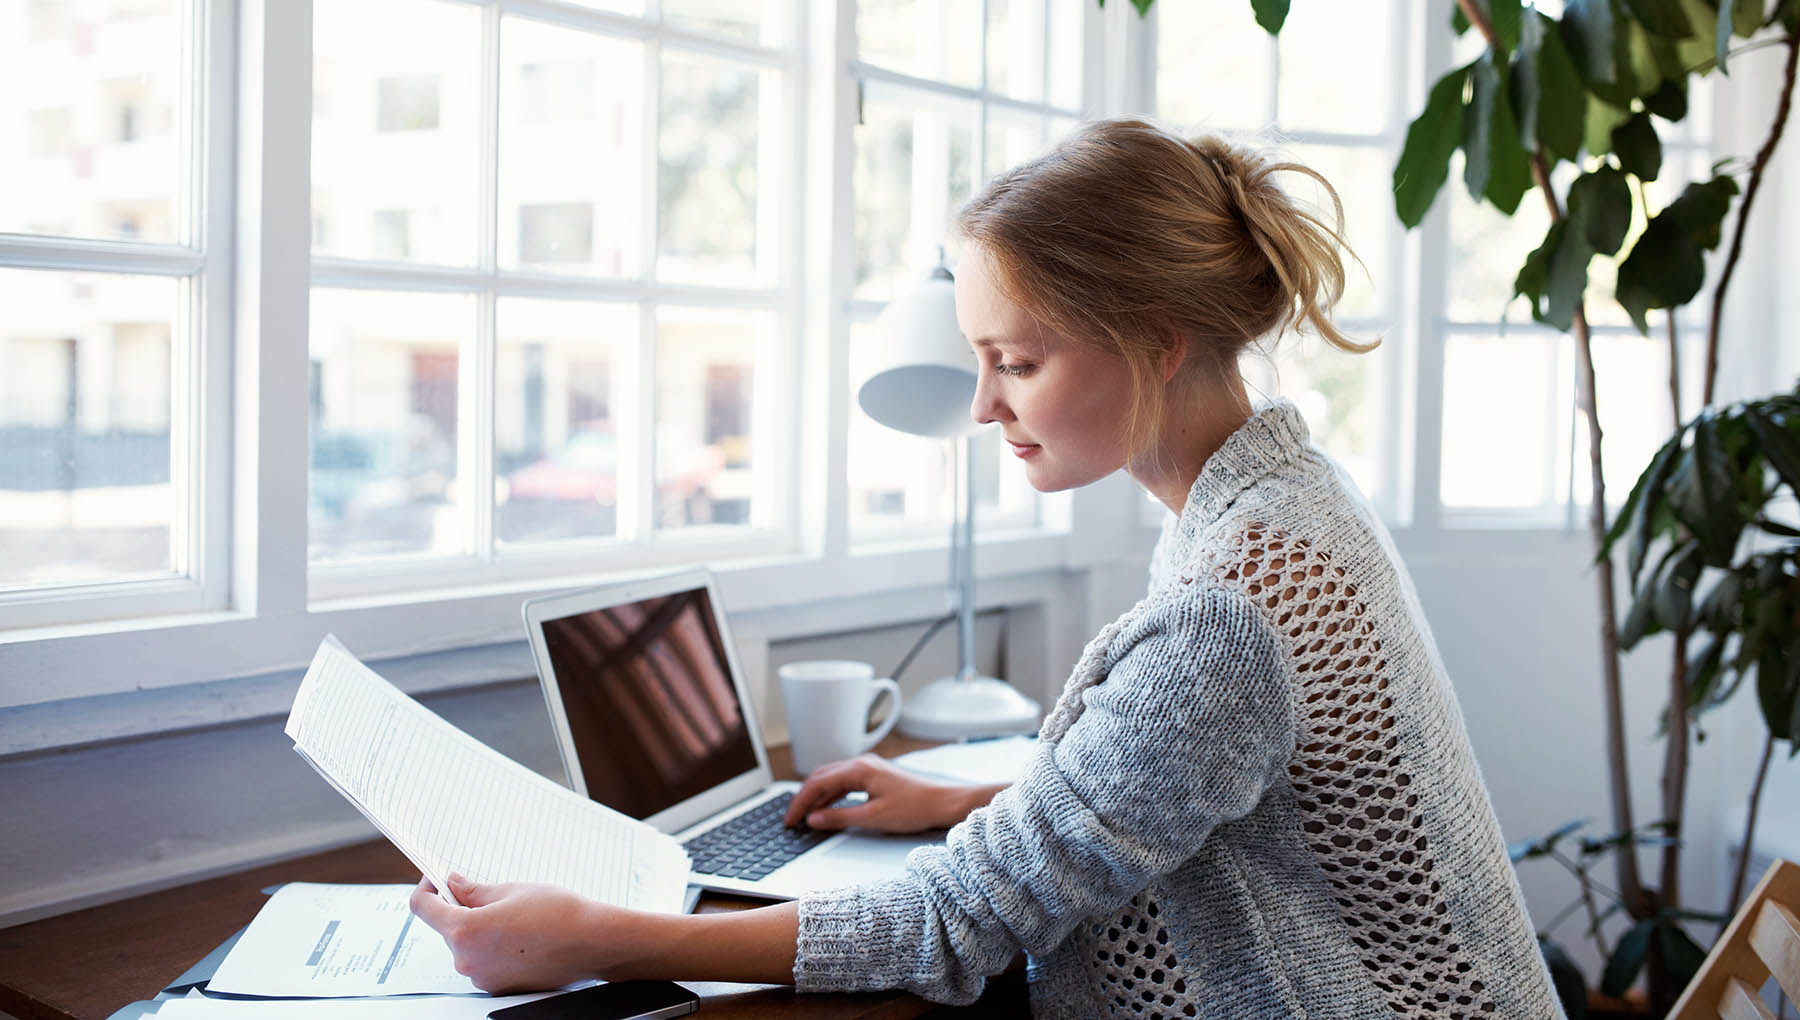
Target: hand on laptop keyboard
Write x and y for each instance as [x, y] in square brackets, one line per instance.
[753, 844]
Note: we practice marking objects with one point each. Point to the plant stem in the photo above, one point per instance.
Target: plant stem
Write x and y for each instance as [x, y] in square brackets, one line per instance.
[1757, 169]
[1756, 788]
[1675, 769]
[1637, 902]
[1674, 369]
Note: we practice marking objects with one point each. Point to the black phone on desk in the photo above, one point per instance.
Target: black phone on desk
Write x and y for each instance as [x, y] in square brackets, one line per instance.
[615, 1000]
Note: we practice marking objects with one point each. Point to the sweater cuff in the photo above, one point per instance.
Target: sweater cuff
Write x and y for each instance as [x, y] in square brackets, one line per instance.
[844, 946]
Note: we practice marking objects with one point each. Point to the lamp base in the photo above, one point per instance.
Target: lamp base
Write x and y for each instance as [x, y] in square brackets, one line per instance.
[981, 706]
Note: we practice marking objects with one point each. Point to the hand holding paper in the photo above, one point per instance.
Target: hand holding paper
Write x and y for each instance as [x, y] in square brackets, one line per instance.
[451, 803]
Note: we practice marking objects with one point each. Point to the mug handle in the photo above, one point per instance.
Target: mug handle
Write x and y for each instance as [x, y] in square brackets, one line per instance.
[893, 689]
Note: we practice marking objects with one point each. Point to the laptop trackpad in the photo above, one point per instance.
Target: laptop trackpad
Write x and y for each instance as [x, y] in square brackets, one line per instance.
[863, 857]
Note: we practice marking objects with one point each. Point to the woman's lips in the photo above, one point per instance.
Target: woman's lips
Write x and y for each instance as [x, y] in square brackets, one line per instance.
[1023, 449]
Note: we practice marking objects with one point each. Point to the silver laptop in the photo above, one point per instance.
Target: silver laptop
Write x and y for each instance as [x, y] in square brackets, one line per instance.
[653, 720]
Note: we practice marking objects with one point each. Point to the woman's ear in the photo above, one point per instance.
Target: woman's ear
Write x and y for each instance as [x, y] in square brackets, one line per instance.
[1173, 356]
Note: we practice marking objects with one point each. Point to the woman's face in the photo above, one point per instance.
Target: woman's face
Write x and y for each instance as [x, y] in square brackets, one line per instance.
[1062, 406]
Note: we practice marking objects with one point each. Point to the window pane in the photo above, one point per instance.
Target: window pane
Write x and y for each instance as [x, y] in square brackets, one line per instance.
[383, 392]
[711, 462]
[1487, 248]
[899, 483]
[1635, 417]
[913, 171]
[752, 20]
[1214, 67]
[1339, 395]
[571, 139]
[1506, 421]
[1363, 179]
[1015, 48]
[1011, 142]
[1068, 21]
[937, 39]
[394, 145]
[707, 201]
[558, 433]
[902, 486]
[91, 124]
[1315, 94]
[85, 411]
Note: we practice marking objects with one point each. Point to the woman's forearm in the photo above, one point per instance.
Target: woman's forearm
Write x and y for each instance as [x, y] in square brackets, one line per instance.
[741, 945]
[971, 797]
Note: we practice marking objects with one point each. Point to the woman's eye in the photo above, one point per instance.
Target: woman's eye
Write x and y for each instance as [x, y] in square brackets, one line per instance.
[1014, 369]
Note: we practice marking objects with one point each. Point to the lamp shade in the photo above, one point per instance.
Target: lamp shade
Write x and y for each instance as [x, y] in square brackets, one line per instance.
[921, 375]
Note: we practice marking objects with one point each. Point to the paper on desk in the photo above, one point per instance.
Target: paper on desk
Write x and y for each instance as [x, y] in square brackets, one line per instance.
[416, 1007]
[331, 940]
[1000, 760]
[451, 803]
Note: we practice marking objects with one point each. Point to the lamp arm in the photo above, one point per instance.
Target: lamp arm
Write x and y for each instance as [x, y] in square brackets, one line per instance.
[962, 557]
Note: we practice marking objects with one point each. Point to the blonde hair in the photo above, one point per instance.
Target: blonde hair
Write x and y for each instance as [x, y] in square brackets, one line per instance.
[1130, 238]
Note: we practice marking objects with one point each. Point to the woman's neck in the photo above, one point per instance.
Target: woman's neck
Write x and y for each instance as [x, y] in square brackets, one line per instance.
[1199, 416]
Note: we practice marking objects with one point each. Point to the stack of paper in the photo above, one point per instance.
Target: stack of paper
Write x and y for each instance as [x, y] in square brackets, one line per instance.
[451, 803]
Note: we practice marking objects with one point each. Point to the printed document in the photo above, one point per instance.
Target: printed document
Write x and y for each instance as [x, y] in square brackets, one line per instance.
[331, 940]
[418, 1007]
[451, 803]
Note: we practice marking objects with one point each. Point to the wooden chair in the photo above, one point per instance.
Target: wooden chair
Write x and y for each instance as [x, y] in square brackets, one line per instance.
[1762, 939]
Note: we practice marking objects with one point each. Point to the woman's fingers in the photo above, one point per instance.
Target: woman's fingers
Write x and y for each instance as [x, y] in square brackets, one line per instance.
[842, 817]
[431, 908]
[826, 785]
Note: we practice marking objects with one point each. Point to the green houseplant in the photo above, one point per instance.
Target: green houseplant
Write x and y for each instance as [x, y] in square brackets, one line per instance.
[1587, 88]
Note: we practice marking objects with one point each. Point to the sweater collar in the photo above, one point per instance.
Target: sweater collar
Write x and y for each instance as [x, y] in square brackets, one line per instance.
[1273, 439]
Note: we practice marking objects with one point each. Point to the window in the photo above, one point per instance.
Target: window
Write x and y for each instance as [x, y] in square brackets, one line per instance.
[1218, 72]
[947, 101]
[564, 324]
[112, 289]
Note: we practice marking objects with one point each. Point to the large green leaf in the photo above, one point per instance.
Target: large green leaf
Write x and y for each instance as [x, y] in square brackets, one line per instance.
[1270, 14]
[1681, 955]
[1600, 205]
[1478, 124]
[1508, 18]
[1780, 446]
[1522, 81]
[1646, 492]
[1627, 958]
[1430, 141]
[1703, 673]
[1638, 149]
[1565, 975]
[1674, 595]
[1509, 173]
[1636, 70]
[1702, 207]
[1562, 102]
[1704, 497]
[1775, 690]
[1665, 269]
[1587, 31]
[1640, 621]
[1669, 102]
[1664, 17]
[1598, 120]
[1555, 275]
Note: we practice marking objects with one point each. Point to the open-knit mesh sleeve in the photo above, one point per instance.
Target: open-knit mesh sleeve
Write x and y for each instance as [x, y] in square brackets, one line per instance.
[1191, 723]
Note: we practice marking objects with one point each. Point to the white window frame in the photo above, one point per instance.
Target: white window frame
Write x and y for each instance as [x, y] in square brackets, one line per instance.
[201, 258]
[182, 669]
[637, 545]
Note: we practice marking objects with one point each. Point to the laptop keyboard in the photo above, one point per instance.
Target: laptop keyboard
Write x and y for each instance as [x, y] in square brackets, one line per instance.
[752, 844]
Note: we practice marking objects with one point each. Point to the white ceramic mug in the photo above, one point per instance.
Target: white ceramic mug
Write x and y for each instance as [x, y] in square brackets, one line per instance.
[828, 702]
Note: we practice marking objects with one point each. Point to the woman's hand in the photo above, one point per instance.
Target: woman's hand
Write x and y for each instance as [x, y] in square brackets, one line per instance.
[899, 801]
[516, 937]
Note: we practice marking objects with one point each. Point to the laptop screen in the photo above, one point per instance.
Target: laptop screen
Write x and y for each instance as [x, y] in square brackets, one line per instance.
[652, 711]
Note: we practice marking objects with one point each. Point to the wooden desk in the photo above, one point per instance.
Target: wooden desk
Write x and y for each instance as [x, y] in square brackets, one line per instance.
[87, 964]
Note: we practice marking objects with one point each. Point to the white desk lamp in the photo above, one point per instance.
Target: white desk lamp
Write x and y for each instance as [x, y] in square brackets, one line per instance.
[922, 384]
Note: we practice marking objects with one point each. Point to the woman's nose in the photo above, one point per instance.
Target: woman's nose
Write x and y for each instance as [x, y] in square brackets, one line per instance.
[987, 405]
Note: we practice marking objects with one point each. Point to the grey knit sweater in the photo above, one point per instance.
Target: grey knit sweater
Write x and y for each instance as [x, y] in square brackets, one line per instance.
[1255, 797]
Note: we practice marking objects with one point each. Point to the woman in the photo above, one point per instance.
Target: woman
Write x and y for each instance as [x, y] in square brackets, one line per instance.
[1255, 797]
